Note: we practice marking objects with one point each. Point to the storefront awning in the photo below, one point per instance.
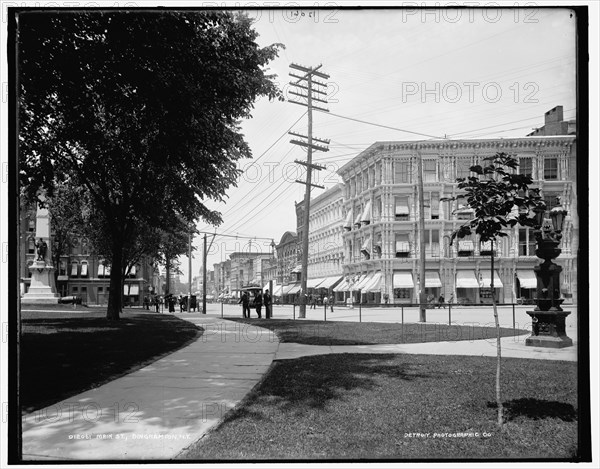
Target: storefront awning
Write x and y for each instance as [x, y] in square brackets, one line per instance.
[267, 285]
[330, 281]
[466, 279]
[291, 289]
[486, 279]
[432, 280]
[374, 284]
[277, 290]
[297, 269]
[361, 284]
[342, 286]
[403, 279]
[526, 279]
[314, 282]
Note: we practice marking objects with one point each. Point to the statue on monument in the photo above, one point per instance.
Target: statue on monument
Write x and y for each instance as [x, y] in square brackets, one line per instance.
[42, 249]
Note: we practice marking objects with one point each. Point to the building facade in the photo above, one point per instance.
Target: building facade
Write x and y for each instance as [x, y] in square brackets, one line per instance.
[325, 245]
[382, 238]
[80, 273]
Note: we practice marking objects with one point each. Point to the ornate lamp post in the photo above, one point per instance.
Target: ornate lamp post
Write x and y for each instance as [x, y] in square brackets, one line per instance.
[548, 318]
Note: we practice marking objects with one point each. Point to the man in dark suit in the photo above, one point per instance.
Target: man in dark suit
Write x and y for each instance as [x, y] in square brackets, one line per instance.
[245, 301]
[258, 301]
[268, 301]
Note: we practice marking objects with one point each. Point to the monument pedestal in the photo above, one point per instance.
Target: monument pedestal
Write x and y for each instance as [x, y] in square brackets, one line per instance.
[548, 329]
[42, 289]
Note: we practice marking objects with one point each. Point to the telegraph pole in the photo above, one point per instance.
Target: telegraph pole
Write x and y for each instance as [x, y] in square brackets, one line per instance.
[204, 277]
[310, 86]
[422, 241]
[189, 301]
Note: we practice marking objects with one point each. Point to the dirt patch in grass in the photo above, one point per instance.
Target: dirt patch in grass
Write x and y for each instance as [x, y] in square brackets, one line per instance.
[401, 407]
[369, 333]
[64, 354]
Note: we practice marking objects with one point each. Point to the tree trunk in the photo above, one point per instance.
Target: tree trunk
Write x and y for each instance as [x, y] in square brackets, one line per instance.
[498, 346]
[115, 295]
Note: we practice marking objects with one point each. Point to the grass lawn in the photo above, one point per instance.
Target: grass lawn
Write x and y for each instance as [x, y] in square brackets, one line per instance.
[63, 354]
[367, 333]
[400, 407]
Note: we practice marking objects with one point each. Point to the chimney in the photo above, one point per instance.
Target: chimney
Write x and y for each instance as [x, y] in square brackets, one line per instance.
[554, 115]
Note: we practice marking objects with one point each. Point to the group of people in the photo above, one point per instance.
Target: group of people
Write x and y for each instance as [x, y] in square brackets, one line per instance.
[441, 302]
[258, 301]
[312, 299]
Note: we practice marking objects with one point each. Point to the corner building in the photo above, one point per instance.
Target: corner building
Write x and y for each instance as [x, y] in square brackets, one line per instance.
[381, 238]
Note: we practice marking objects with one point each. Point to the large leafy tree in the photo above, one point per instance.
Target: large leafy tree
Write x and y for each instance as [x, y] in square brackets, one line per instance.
[500, 198]
[141, 108]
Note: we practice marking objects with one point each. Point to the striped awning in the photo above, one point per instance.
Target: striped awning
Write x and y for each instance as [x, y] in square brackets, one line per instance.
[314, 282]
[362, 283]
[330, 281]
[291, 289]
[374, 284]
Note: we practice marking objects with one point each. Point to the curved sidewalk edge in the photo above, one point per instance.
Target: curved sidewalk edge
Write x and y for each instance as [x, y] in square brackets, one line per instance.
[512, 347]
[158, 411]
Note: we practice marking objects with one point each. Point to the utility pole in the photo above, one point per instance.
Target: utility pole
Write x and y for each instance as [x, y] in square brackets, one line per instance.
[422, 241]
[307, 83]
[189, 300]
[204, 277]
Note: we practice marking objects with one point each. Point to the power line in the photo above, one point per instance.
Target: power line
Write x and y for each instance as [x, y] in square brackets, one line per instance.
[385, 126]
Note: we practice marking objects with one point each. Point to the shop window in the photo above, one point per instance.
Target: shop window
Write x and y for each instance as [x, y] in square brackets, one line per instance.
[402, 293]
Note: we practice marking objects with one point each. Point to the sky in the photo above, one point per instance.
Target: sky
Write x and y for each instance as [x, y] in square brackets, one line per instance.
[411, 74]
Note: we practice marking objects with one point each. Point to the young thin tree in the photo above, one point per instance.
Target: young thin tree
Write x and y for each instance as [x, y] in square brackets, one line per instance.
[500, 198]
[141, 108]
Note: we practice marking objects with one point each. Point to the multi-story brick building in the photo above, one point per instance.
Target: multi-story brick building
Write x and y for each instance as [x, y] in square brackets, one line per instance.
[325, 247]
[381, 241]
[82, 274]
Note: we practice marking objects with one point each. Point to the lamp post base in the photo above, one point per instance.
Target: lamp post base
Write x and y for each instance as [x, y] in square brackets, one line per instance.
[548, 329]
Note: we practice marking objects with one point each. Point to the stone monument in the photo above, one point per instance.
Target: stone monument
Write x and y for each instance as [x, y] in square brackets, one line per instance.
[42, 289]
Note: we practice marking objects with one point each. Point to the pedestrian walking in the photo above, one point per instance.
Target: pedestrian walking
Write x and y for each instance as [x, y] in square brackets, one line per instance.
[313, 302]
[268, 301]
[156, 303]
[180, 301]
[146, 302]
[245, 301]
[327, 302]
[171, 303]
[258, 301]
[451, 300]
[441, 301]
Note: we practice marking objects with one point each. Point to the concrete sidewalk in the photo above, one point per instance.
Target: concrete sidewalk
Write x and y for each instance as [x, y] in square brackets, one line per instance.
[511, 347]
[158, 411]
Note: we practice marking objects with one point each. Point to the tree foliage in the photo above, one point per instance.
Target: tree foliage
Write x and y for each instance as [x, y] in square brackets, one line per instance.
[142, 109]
